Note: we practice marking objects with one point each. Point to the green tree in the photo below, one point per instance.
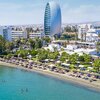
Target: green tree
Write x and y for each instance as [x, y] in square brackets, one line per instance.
[53, 55]
[9, 46]
[87, 58]
[33, 52]
[81, 58]
[42, 54]
[38, 43]
[98, 47]
[2, 44]
[68, 29]
[22, 53]
[47, 39]
[99, 35]
[73, 58]
[23, 41]
[72, 66]
[17, 42]
[64, 56]
[32, 43]
[96, 65]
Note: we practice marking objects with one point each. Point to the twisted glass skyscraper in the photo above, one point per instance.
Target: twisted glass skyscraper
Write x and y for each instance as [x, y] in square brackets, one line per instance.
[52, 19]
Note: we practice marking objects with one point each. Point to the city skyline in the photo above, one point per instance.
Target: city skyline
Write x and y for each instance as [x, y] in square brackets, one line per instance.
[14, 12]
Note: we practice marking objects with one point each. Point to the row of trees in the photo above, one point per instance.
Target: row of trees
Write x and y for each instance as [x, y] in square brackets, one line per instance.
[33, 43]
[36, 52]
[29, 43]
[46, 54]
[6, 46]
[71, 29]
[74, 58]
[84, 59]
[68, 37]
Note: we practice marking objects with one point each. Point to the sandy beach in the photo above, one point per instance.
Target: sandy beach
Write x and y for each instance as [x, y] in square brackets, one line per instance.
[77, 81]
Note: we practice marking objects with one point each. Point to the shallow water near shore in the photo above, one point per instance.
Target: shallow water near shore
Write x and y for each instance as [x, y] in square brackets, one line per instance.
[17, 84]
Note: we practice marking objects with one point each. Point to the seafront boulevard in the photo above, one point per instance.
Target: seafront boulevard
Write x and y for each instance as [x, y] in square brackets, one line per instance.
[75, 78]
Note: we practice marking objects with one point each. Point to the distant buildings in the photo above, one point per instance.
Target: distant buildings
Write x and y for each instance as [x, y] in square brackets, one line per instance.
[92, 36]
[52, 26]
[34, 35]
[52, 19]
[11, 33]
[88, 32]
[82, 30]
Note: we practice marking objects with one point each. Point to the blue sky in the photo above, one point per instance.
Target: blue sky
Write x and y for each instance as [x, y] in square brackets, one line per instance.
[15, 12]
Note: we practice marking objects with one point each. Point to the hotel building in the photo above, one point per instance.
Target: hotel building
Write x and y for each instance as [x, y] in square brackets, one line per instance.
[10, 34]
[18, 34]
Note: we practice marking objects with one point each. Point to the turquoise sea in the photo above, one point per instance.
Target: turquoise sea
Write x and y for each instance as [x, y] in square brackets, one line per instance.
[17, 84]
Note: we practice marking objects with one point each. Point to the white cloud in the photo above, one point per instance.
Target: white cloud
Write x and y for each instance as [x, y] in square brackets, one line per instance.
[81, 14]
[11, 13]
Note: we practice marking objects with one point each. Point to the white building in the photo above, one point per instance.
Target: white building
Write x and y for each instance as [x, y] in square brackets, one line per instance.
[82, 29]
[89, 32]
[71, 47]
[34, 35]
[97, 28]
[92, 36]
[18, 34]
[10, 34]
[52, 47]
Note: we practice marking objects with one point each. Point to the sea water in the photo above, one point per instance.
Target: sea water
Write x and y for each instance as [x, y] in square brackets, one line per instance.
[17, 84]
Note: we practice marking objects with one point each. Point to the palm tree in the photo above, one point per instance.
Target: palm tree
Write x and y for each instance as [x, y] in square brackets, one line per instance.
[76, 36]
[98, 47]
[85, 36]
[2, 44]
[82, 37]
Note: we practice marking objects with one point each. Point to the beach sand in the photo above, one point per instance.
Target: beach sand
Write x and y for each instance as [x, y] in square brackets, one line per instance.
[64, 77]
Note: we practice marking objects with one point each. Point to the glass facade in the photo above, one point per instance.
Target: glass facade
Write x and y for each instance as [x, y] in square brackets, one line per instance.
[47, 19]
[52, 19]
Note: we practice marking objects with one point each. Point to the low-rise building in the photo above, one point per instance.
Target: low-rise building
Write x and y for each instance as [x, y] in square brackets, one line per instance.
[18, 34]
[89, 32]
[92, 37]
[34, 35]
[52, 47]
[10, 34]
[71, 47]
[82, 29]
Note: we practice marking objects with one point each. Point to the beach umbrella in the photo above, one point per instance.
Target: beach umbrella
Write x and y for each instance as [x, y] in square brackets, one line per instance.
[51, 65]
[30, 61]
[58, 62]
[90, 68]
[81, 66]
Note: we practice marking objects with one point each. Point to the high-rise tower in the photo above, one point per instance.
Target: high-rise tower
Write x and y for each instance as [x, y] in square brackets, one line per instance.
[52, 19]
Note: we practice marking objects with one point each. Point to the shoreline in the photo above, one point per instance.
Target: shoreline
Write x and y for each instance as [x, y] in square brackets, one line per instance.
[72, 80]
